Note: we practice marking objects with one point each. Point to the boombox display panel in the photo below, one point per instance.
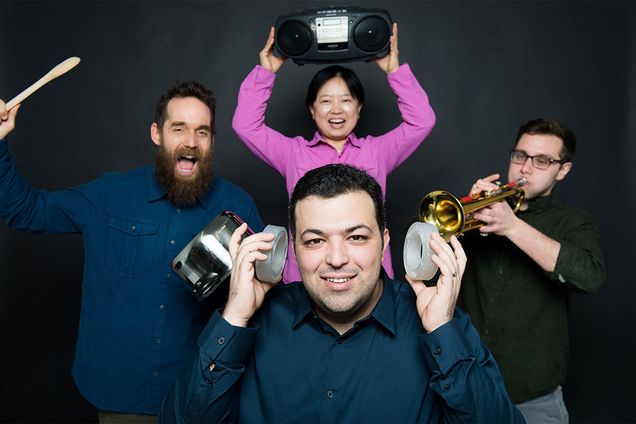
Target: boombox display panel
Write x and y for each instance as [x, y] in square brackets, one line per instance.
[328, 35]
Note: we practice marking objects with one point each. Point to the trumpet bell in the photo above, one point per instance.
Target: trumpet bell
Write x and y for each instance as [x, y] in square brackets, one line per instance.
[444, 211]
[452, 216]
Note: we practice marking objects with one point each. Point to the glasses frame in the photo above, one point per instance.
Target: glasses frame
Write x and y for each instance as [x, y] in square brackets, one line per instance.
[552, 161]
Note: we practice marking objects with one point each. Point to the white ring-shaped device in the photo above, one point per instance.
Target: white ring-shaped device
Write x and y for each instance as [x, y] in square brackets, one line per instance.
[271, 269]
[417, 253]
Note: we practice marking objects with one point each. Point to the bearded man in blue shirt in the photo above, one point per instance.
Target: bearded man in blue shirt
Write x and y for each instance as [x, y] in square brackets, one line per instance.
[347, 344]
[138, 322]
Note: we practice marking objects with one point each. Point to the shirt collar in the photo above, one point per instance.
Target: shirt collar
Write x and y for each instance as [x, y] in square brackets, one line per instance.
[539, 204]
[383, 313]
[355, 141]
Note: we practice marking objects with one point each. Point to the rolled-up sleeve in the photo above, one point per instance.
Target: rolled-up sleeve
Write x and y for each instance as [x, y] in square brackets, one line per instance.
[580, 263]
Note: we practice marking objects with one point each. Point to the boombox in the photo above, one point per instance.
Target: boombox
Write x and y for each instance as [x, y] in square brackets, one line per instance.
[325, 35]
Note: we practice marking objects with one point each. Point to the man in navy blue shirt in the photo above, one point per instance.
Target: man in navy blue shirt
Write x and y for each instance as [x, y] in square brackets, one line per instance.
[347, 344]
[138, 322]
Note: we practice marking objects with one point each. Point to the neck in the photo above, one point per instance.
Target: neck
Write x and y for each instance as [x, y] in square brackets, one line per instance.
[343, 322]
[336, 144]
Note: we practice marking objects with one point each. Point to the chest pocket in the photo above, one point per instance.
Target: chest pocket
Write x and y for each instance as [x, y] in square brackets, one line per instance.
[130, 247]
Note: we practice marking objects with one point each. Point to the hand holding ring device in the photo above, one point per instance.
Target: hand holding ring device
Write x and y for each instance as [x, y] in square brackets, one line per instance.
[205, 262]
[417, 253]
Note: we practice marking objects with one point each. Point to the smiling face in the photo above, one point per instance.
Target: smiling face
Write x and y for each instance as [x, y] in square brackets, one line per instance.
[540, 182]
[339, 249]
[186, 141]
[335, 111]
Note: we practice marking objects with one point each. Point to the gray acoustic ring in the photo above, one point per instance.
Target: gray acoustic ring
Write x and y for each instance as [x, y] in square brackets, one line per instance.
[271, 269]
[417, 253]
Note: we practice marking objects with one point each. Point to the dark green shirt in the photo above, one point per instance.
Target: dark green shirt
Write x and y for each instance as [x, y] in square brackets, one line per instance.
[521, 310]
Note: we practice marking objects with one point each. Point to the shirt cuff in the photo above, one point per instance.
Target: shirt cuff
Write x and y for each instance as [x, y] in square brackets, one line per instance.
[220, 341]
[451, 343]
[404, 70]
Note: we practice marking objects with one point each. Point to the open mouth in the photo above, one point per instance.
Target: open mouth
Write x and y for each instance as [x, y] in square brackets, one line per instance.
[336, 122]
[186, 164]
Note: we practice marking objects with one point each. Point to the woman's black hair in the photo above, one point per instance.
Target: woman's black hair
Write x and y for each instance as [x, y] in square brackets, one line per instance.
[335, 71]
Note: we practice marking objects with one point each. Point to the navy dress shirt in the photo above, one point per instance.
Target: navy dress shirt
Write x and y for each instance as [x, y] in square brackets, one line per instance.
[291, 366]
[139, 322]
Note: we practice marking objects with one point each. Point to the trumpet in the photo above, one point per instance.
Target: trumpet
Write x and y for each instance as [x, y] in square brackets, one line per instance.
[452, 216]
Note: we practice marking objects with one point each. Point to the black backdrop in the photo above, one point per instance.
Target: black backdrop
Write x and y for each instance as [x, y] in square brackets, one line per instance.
[487, 67]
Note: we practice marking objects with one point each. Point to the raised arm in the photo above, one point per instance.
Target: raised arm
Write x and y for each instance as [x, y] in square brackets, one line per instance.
[207, 390]
[465, 374]
[248, 122]
[418, 117]
[575, 259]
[37, 211]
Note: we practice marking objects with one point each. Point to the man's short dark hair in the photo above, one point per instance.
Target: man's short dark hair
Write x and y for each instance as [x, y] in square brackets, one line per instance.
[184, 89]
[334, 180]
[546, 126]
[335, 71]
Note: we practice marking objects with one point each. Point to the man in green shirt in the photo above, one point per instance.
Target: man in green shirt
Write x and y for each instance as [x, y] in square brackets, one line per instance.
[518, 280]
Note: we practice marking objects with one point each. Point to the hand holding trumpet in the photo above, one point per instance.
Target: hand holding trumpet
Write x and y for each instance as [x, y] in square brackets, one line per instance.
[498, 217]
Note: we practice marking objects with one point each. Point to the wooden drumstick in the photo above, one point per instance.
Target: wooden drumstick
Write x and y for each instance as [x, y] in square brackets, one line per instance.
[60, 69]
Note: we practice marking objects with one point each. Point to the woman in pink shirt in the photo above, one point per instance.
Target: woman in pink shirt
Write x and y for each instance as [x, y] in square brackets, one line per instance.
[335, 97]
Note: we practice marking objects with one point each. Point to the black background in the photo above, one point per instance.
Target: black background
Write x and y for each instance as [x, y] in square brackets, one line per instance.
[486, 66]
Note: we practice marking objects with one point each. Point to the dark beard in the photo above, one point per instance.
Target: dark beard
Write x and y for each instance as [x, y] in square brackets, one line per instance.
[181, 191]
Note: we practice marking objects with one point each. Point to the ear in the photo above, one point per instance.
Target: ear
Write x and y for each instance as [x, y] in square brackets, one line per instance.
[360, 108]
[155, 134]
[311, 110]
[565, 169]
[387, 237]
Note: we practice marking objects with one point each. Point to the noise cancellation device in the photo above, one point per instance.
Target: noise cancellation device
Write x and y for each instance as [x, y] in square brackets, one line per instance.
[327, 35]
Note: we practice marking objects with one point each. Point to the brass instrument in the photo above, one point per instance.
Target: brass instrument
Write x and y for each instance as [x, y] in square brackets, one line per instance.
[452, 216]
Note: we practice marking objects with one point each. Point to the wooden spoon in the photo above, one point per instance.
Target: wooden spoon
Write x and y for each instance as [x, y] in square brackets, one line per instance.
[60, 69]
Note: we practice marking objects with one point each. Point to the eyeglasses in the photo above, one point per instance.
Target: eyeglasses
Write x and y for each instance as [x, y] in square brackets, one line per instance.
[539, 161]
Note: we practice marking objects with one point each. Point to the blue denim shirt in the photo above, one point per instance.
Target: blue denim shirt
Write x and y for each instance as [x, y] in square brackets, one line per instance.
[138, 322]
[290, 366]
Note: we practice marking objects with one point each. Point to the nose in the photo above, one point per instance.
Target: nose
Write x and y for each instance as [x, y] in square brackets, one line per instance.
[337, 255]
[336, 107]
[190, 140]
[527, 166]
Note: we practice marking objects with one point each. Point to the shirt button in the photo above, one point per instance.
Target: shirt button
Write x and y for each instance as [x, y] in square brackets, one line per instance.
[133, 228]
[172, 242]
[446, 386]
[329, 394]
[155, 373]
[178, 210]
[221, 340]
[437, 350]
[168, 275]
[162, 307]
[158, 340]
[500, 271]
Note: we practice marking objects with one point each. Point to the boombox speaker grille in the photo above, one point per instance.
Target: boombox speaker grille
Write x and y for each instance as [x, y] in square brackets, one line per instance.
[371, 34]
[294, 38]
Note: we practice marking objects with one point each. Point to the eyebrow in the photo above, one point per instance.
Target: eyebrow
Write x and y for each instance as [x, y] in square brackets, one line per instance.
[182, 123]
[348, 230]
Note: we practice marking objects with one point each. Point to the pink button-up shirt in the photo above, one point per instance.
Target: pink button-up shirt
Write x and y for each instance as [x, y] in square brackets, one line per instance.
[292, 157]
